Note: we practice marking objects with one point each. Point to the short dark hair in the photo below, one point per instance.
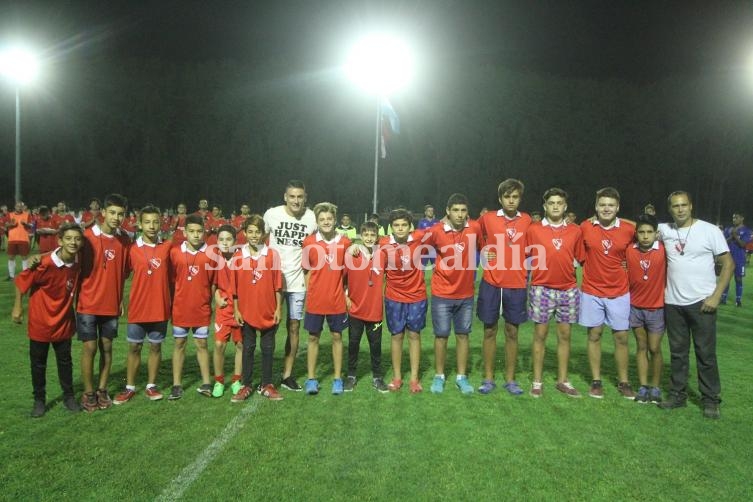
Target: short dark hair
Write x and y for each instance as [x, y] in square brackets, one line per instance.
[227, 228]
[256, 220]
[400, 214]
[554, 192]
[369, 226]
[295, 184]
[62, 229]
[115, 199]
[43, 210]
[149, 209]
[609, 192]
[677, 193]
[647, 219]
[194, 219]
[509, 186]
[457, 198]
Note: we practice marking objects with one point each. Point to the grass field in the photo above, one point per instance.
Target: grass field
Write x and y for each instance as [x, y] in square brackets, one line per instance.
[369, 446]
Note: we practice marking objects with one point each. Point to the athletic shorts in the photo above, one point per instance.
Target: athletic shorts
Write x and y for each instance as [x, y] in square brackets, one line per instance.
[198, 331]
[650, 319]
[89, 326]
[494, 302]
[295, 302]
[596, 311]
[226, 332]
[543, 302]
[314, 323]
[739, 269]
[18, 249]
[447, 312]
[401, 316]
[154, 331]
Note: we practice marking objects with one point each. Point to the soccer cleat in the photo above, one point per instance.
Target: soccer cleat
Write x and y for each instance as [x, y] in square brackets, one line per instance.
[218, 390]
[626, 390]
[175, 393]
[290, 384]
[89, 402]
[124, 396]
[312, 386]
[153, 394]
[673, 401]
[395, 385]
[350, 383]
[71, 404]
[567, 389]
[415, 387]
[271, 393]
[235, 387]
[462, 383]
[337, 386]
[643, 396]
[104, 400]
[596, 390]
[380, 386]
[513, 388]
[738, 303]
[39, 409]
[437, 385]
[536, 389]
[709, 411]
[487, 387]
[242, 394]
[655, 395]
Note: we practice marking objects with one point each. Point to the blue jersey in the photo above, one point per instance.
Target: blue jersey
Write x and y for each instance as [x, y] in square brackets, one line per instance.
[425, 223]
[736, 250]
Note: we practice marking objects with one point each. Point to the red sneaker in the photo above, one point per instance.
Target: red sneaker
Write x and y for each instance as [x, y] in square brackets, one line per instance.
[395, 385]
[242, 394]
[89, 402]
[271, 393]
[104, 400]
[415, 387]
[124, 396]
[153, 393]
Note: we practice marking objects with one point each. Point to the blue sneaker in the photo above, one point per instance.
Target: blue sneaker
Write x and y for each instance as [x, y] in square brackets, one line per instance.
[643, 396]
[655, 395]
[312, 386]
[513, 388]
[437, 385]
[464, 385]
[487, 387]
[337, 386]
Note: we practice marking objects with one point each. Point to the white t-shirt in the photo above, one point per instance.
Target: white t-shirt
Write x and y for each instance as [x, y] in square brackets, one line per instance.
[286, 234]
[690, 275]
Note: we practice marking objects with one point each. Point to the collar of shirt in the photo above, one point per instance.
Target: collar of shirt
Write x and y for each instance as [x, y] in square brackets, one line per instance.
[184, 248]
[140, 242]
[501, 212]
[615, 224]
[246, 252]
[335, 239]
[546, 223]
[59, 261]
[448, 228]
[655, 245]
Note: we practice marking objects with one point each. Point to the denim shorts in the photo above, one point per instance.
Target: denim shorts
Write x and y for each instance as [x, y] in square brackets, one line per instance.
[295, 302]
[198, 332]
[154, 331]
[89, 326]
[446, 312]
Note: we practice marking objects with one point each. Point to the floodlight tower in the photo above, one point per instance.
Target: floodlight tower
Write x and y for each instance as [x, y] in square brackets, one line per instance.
[379, 64]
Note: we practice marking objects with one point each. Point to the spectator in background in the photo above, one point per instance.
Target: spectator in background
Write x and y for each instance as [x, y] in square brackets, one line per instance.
[738, 237]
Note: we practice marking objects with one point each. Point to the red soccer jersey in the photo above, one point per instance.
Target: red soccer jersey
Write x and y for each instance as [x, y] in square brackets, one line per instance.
[647, 273]
[150, 287]
[224, 316]
[257, 281]
[193, 273]
[179, 236]
[64, 218]
[47, 242]
[87, 216]
[237, 222]
[103, 272]
[365, 278]
[553, 250]
[402, 268]
[325, 263]
[506, 237]
[18, 233]
[53, 285]
[453, 276]
[604, 274]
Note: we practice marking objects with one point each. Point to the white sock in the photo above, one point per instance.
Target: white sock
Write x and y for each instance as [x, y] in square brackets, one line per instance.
[440, 375]
[24, 264]
[131, 387]
[11, 268]
[459, 377]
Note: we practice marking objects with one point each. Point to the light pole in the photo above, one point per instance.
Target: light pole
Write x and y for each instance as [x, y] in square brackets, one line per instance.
[379, 64]
[20, 67]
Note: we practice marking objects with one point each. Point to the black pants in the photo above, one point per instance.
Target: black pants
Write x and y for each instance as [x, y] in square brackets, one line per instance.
[683, 323]
[267, 353]
[374, 335]
[38, 356]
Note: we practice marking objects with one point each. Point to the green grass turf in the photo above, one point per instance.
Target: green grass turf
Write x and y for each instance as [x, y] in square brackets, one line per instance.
[369, 446]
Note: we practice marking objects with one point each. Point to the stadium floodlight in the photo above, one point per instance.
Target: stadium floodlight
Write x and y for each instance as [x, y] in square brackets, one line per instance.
[20, 66]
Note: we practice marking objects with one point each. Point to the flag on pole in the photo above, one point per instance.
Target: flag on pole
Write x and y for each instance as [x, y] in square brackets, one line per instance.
[390, 125]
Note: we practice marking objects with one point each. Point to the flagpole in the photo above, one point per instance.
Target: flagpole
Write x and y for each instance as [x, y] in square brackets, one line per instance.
[377, 145]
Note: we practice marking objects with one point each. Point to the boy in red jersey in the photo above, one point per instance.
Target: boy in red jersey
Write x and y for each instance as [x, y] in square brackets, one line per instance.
[605, 296]
[52, 285]
[148, 304]
[647, 274]
[225, 326]
[365, 279]
[103, 273]
[93, 214]
[63, 215]
[503, 286]
[258, 305]
[193, 272]
[452, 288]
[323, 264]
[178, 226]
[238, 221]
[46, 230]
[554, 245]
[404, 296]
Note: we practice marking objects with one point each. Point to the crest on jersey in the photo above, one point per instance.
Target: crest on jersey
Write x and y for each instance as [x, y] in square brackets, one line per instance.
[606, 243]
[69, 285]
[460, 246]
[109, 254]
[193, 270]
[511, 233]
[155, 262]
[405, 259]
[257, 275]
[557, 243]
[645, 264]
[329, 257]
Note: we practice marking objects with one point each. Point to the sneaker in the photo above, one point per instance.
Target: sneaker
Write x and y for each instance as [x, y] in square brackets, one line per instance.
[350, 383]
[153, 393]
[104, 400]
[175, 393]
[487, 387]
[124, 396]
[89, 402]
[71, 404]
[290, 384]
[643, 396]
[235, 387]
[536, 389]
[395, 385]
[218, 390]
[271, 393]
[673, 401]
[415, 387]
[596, 390]
[337, 386]
[513, 388]
[738, 303]
[39, 409]
[380, 386]
[567, 389]
[205, 389]
[655, 395]
[243, 394]
[464, 385]
[437, 385]
[312, 386]
[709, 411]
[626, 390]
